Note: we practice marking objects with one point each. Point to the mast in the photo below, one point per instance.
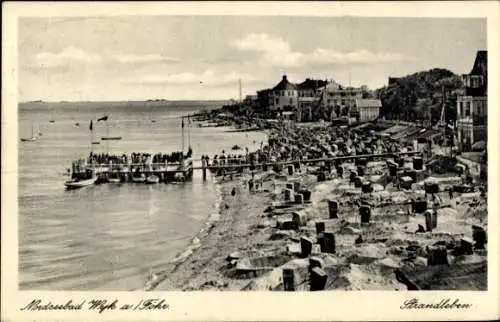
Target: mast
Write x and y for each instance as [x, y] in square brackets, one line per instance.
[182, 135]
[189, 132]
[32, 130]
[107, 134]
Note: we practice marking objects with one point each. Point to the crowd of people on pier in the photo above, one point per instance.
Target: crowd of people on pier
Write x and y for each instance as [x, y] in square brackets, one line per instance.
[136, 158]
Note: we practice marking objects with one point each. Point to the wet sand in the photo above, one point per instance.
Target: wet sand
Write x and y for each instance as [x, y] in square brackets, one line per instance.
[204, 267]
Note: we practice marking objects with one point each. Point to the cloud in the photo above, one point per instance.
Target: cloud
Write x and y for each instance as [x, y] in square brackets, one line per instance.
[150, 58]
[72, 56]
[328, 56]
[277, 52]
[69, 55]
[208, 78]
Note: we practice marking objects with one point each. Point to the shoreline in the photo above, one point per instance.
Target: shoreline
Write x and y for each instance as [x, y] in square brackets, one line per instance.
[239, 229]
[257, 236]
[187, 272]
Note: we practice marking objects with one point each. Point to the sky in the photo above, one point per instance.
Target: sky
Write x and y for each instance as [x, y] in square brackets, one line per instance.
[202, 57]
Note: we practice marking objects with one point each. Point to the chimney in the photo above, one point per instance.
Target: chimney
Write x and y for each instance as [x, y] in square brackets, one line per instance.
[284, 78]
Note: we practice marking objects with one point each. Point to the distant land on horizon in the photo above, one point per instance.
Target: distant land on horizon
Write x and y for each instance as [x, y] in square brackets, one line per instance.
[149, 101]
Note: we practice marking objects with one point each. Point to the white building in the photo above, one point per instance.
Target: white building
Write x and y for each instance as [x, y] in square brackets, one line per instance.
[366, 110]
[283, 97]
[338, 100]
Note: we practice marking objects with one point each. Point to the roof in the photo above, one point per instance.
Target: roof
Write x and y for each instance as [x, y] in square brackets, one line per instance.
[425, 134]
[284, 85]
[368, 103]
[395, 129]
[311, 84]
[480, 64]
[444, 277]
[332, 86]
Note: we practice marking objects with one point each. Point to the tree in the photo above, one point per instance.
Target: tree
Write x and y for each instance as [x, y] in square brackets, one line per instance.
[415, 96]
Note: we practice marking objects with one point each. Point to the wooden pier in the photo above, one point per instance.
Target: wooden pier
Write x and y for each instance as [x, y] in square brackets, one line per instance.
[177, 171]
[167, 172]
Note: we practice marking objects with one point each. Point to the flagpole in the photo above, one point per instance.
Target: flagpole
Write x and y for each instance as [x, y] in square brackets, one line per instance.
[107, 134]
[91, 137]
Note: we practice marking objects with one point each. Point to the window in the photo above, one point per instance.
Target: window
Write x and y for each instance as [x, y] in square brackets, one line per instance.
[291, 100]
[277, 101]
[467, 109]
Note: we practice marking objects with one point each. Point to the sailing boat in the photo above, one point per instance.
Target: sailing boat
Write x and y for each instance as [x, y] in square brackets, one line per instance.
[150, 119]
[32, 138]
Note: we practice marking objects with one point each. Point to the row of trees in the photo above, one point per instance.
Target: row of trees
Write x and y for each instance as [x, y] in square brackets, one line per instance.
[419, 96]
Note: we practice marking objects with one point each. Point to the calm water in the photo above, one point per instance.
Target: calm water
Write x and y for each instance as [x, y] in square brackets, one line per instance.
[108, 237]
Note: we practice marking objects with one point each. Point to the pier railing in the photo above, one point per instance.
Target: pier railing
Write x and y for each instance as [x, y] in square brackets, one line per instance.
[228, 162]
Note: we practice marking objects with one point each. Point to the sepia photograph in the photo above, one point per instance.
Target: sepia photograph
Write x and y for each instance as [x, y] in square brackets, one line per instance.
[251, 152]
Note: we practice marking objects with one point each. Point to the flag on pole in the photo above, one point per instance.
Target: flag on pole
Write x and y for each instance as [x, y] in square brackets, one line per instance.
[90, 127]
[104, 118]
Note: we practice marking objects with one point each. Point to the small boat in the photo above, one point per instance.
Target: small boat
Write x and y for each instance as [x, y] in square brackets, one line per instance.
[77, 124]
[96, 142]
[152, 179]
[29, 139]
[32, 138]
[77, 184]
[236, 147]
[139, 178]
[111, 138]
[52, 121]
[114, 178]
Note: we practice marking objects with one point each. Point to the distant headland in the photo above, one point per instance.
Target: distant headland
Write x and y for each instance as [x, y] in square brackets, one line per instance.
[147, 101]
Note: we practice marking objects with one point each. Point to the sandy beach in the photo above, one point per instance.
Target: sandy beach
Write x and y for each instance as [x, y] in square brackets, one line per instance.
[384, 233]
[235, 230]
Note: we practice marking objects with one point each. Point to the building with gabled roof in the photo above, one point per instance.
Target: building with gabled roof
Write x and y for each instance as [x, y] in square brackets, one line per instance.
[472, 108]
[283, 96]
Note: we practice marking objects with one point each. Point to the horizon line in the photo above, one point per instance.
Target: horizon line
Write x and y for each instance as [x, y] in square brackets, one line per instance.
[127, 101]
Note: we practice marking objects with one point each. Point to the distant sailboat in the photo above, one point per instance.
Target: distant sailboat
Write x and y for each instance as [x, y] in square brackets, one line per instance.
[32, 138]
[150, 119]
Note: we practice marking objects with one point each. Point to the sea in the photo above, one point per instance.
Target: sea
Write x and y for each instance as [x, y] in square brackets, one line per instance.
[111, 237]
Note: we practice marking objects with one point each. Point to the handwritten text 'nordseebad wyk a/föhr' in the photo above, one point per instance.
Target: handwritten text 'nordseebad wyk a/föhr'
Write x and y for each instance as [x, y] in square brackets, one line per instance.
[98, 305]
